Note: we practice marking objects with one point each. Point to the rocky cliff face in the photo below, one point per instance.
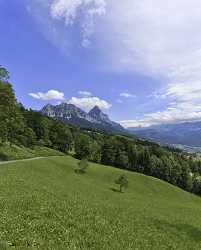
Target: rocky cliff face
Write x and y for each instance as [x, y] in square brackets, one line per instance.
[69, 113]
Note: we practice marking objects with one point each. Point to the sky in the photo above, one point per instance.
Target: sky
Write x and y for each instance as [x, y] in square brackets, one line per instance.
[138, 60]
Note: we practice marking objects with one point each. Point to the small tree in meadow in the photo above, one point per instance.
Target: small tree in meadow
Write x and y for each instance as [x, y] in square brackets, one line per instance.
[82, 166]
[122, 181]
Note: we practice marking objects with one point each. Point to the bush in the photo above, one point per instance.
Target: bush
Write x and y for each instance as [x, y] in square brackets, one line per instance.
[122, 181]
[197, 185]
[82, 166]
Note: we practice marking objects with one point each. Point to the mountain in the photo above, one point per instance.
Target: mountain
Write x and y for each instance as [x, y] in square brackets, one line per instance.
[102, 118]
[186, 134]
[71, 114]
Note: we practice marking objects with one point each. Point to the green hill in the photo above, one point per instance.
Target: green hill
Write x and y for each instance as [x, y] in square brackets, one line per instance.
[45, 205]
[14, 152]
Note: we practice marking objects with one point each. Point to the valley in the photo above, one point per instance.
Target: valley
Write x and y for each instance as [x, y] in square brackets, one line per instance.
[186, 134]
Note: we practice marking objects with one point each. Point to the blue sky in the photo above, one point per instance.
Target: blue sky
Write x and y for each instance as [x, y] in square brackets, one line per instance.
[139, 60]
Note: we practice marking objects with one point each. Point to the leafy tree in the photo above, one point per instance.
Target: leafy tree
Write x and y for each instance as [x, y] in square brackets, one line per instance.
[132, 156]
[61, 137]
[143, 159]
[39, 124]
[95, 154]
[82, 166]
[83, 146]
[3, 130]
[108, 152]
[121, 159]
[197, 185]
[4, 74]
[28, 138]
[165, 168]
[154, 166]
[122, 181]
[185, 179]
[176, 170]
[11, 119]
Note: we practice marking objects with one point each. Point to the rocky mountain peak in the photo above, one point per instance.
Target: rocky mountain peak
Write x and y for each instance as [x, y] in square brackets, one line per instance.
[97, 114]
[48, 106]
[72, 114]
[95, 109]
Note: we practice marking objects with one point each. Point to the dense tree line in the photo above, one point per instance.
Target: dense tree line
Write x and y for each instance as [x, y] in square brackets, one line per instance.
[29, 128]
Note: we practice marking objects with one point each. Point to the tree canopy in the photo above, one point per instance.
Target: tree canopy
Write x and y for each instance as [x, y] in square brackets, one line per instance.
[4, 74]
[122, 181]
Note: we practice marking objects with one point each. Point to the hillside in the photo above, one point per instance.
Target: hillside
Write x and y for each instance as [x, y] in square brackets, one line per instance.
[14, 152]
[45, 205]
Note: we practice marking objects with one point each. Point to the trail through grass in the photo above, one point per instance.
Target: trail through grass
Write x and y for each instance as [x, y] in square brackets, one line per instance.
[13, 152]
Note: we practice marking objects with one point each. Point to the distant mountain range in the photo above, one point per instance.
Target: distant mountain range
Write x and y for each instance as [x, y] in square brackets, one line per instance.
[71, 114]
[188, 133]
[185, 136]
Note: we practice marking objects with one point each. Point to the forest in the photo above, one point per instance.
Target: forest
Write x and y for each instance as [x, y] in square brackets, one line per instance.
[26, 127]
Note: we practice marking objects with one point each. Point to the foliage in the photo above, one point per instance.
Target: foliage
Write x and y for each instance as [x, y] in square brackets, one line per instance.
[4, 74]
[60, 137]
[83, 146]
[122, 181]
[11, 119]
[82, 166]
[197, 185]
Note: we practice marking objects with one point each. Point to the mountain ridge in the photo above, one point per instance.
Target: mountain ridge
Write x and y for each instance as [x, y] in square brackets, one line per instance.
[185, 133]
[70, 113]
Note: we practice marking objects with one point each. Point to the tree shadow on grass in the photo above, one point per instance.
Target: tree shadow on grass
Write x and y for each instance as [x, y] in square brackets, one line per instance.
[79, 171]
[179, 229]
[115, 190]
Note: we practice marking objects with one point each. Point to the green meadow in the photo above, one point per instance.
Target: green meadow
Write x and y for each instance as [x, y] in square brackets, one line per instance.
[14, 152]
[44, 204]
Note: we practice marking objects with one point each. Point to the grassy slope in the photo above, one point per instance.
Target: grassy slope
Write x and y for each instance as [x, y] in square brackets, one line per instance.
[45, 205]
[14, 152]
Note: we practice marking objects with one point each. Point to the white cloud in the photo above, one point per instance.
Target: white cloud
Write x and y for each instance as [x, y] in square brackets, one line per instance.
[85, 93]
[65, 9]
[161, 39]
[158, 38]
[88, 103]
[171, 115]
[153, 35]
[185, 92]
[127, 95]
[71, 10]
[49, 95]
[184, 105]
[176, 112]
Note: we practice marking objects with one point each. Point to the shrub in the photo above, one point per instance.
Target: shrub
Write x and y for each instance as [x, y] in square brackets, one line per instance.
[122, 181]
[82, 166]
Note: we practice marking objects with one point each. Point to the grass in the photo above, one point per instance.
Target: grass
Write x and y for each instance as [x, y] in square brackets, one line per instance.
[14, 152]
[44, 204]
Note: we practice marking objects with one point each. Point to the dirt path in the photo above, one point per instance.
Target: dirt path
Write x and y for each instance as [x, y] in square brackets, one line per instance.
[29, 159]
